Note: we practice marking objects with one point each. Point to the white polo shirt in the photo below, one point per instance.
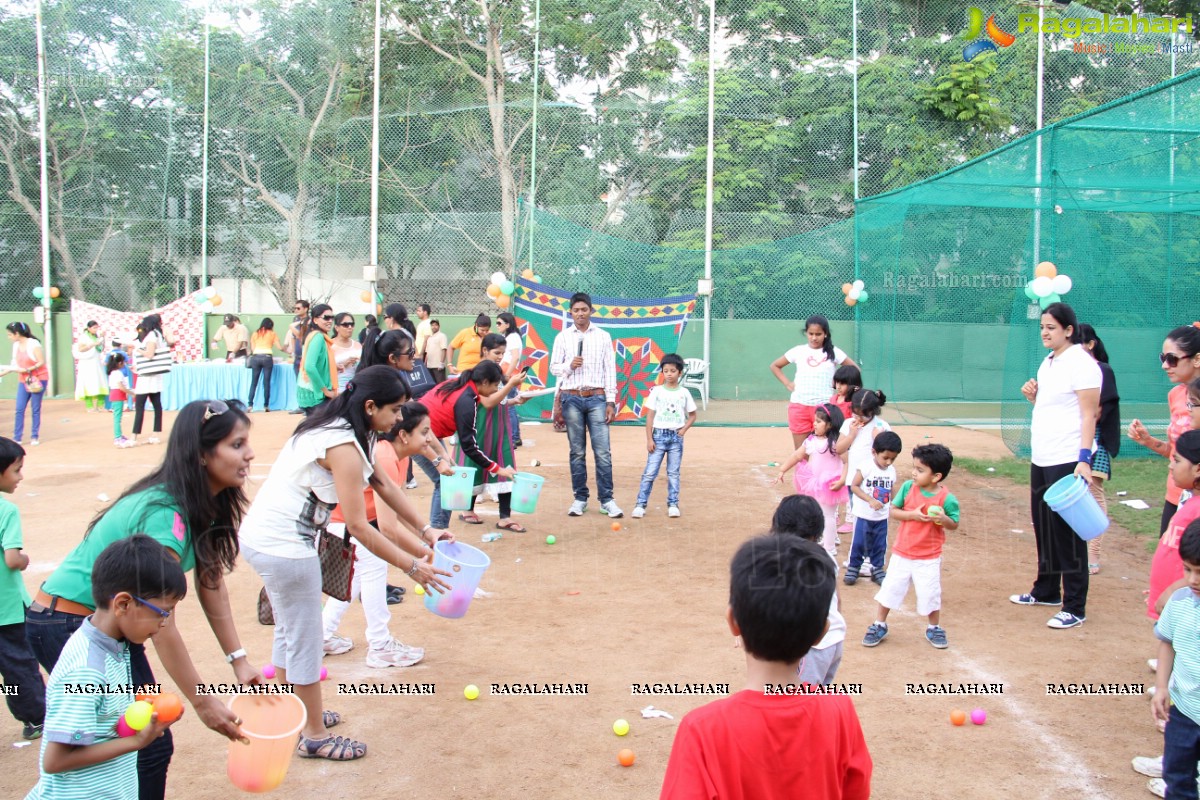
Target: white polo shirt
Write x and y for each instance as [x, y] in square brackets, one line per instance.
[1056, 426]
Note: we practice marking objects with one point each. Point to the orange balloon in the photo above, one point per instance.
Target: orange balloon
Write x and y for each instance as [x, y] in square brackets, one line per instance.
[527, 273]
[493, 291]
[169, 707]
[958, 717]
[850, 301]
[625, 758]
[503, 301]
[846, 287]
[1046, 269]
[215, 300]
[366, 296]
[54, 292]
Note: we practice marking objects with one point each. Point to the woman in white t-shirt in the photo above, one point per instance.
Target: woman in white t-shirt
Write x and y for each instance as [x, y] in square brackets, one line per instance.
[1066, 404]
[346, 351]
[327, 462]
[815, 363]
[514, 350]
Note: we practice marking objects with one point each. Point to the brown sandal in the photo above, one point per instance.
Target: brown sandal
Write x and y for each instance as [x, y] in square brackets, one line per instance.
[333, 748]
[471, 518]
[511, 525]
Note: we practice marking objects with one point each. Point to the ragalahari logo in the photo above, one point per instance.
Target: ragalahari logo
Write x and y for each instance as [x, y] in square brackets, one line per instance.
[975, 29]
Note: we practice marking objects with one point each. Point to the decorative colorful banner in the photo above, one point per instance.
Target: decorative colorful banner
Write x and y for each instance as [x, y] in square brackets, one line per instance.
[643, 331]
[183, 318]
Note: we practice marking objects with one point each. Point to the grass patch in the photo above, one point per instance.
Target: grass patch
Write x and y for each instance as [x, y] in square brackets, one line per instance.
[1142, 479]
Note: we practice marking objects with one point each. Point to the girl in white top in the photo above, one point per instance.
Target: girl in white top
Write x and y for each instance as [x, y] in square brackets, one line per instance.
[514, 350]
[815, 363]
[346, 350]
[329, 460]
[858, 434]
[1066, 404]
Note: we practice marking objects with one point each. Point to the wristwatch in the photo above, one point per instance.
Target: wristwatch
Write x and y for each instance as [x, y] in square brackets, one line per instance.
[235, 655]
[437, 461]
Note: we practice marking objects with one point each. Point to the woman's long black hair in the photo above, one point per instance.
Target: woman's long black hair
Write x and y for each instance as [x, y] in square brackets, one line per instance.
[379, 346]
[21, 329]
[483, 372]
[1088, 334]
[397, 313]
[379, 383]
[148, 325]
[212, 519]
[817, 319]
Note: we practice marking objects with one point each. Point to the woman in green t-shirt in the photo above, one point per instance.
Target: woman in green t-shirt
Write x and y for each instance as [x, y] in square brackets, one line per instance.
[192, 504]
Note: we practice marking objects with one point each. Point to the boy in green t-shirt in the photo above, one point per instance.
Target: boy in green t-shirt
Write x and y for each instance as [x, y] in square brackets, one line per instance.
[27, 696]
[670, 412]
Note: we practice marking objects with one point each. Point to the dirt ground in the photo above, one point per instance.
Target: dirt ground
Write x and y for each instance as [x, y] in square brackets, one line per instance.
[646, 605]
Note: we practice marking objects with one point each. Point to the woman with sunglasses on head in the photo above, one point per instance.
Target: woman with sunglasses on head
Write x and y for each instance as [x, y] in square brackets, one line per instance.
[1180, 358]
[346, 350]
[317, 381]
[328, 462]
[191, 504]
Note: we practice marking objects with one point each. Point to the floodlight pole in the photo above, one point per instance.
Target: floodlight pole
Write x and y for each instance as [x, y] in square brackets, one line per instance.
[373, 234]
[204, 153]
[533, 127]
[708, 193]
[44, 190]
[1037, 192]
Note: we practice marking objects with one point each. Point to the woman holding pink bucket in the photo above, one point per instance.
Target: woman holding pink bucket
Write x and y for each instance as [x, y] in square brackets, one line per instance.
[1066, 403]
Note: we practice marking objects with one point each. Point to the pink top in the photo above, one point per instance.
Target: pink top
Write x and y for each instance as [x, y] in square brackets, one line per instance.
[1181, 420]
[23, 358]
[1167, 567]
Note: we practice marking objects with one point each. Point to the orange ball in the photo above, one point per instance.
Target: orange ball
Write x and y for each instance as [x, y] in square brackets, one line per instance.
[958, 716]
[366, 296]
[1046, 269]
[149, 697]
[616, 526]
[169, 707]
[503, 300]
[54, 291]
[625, 758]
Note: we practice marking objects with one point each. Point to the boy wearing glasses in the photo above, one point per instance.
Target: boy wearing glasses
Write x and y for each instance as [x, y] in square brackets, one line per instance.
[135, 585]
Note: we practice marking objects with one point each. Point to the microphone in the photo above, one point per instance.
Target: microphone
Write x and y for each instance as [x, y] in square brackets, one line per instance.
[579, 353]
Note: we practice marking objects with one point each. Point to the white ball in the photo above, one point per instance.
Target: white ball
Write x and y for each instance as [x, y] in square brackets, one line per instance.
[1060, 283]
[210, 291]
[1043, 286]
[854, 293]
[498, 278]
[857, 286]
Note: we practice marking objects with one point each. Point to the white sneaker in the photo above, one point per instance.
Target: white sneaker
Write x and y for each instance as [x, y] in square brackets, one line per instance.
[153, 440]
[34, 442]
[612, 509]
[638, 512]
[394, 654]
[336, 645]
[411, 484]
[1150, 767]
[673, 511]
[1152, 663]
[1157, 787]
[577, 508]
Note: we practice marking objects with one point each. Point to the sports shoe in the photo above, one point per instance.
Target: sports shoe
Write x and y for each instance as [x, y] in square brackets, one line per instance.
[336, 645]
[673, 511]
[937, 637]
[1030, 600]
[577, 508]
[153, 440]
[877, 577]
[612, 509]
[850, 578]
[394, 654]
[411, 484]
[122, 442]
[1150, 767]
[875, 634]
[1152, 663]
[845, 527]
[34, 442]
[1064, 619]
[638, 512]
[1157, 787]
[30, 731]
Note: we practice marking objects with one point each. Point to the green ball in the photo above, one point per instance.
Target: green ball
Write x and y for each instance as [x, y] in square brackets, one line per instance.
[508, 287]
[550, 539]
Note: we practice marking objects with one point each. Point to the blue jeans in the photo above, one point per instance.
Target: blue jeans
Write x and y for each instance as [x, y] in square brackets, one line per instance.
[24, 396]
[261, 366]
[1181, 751]
[514, 419]
[667, 443]
[870, 539]
[19, 668]
[47, 632]
[585, 417]
[438, 516]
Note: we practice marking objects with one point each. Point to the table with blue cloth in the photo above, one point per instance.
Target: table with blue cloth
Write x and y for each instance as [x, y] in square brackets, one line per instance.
[216, 380]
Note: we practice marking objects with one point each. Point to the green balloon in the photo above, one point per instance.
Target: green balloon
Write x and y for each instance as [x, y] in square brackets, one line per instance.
[537, 278]
[37, 292]
[863, 296]
[508, 287]
[1048, 299]
[1030, 293]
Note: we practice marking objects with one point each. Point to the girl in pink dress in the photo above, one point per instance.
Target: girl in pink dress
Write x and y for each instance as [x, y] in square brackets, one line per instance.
[820, 470]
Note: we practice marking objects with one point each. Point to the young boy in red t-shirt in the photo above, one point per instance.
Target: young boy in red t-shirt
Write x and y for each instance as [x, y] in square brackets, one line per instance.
[926, 510]
[772, 740]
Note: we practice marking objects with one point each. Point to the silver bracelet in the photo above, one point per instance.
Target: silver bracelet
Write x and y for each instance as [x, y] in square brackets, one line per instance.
[413, 570]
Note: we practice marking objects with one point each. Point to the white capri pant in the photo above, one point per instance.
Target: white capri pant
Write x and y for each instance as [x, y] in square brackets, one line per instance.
[370, 586]
[925, 574]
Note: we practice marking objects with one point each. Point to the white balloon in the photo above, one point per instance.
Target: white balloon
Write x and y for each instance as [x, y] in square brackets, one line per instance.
[1043, 286]
[858, 286]
[498, 278]
[1060, 283]
[854, 292]
[210, 291]
[207, 308]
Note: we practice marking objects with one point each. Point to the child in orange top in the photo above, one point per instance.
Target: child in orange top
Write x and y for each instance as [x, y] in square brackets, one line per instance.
[925, 510]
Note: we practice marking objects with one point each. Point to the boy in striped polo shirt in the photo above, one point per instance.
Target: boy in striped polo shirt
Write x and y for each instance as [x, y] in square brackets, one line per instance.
[1177, 699]
[136, 584]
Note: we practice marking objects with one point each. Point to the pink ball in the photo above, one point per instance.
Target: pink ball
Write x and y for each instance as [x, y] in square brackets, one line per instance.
[979, 716]
[123, 728]
[324, 674]
[268, 671]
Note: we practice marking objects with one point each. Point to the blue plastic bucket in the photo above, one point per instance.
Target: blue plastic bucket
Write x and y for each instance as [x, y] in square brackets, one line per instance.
[526, 488]
[456, 489]
[466, 565]
[1070, 498]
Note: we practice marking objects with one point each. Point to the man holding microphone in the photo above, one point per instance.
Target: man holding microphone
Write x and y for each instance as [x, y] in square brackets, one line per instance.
[585, 365]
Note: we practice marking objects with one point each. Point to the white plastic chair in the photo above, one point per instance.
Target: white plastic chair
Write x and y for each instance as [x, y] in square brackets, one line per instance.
[695, 376]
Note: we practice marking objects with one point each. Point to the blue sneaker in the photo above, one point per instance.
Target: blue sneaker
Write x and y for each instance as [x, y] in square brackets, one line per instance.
[1065, 619]
[850, 578]
[937, 637]
[1030, 600]
[875, 634]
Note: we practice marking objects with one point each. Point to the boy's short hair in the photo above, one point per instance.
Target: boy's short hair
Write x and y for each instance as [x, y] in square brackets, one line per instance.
[1189, 543]
[799, 515]
[425, 307]
[935, 456]
[887, 442]
[138, 565]
[673, 360]
[780, 588]
[580, 297]
[10, 451]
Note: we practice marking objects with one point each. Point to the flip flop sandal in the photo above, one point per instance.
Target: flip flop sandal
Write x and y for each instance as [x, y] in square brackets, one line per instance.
[331, 718]
[471, 518]
[333, 748]
[396, 589]
[394, 598]
[511, 525]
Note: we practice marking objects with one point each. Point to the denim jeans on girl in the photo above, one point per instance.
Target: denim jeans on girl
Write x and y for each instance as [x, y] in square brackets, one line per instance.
[438, 516]
[26, 397]
[667, 444]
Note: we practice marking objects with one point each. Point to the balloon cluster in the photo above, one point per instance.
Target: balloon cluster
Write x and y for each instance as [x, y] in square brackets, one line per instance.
[39, 293]
[207, 298]
[366, 298]
[1048, 285]
[855, 293]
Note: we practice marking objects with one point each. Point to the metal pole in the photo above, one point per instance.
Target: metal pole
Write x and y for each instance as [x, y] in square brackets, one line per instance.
[708, 191]
[44, 196]
[204, 155]
[854, 89]
[1037, 192]
[373, 235]
[537, 62]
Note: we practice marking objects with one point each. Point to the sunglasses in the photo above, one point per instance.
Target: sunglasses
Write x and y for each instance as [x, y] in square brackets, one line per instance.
[1170, 359]
[327, 318]
[215, 408]
[346, 324]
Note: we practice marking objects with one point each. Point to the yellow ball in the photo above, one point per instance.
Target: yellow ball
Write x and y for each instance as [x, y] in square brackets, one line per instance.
[137, 715]
[471, 692]
[620, 727]
[419, 589]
